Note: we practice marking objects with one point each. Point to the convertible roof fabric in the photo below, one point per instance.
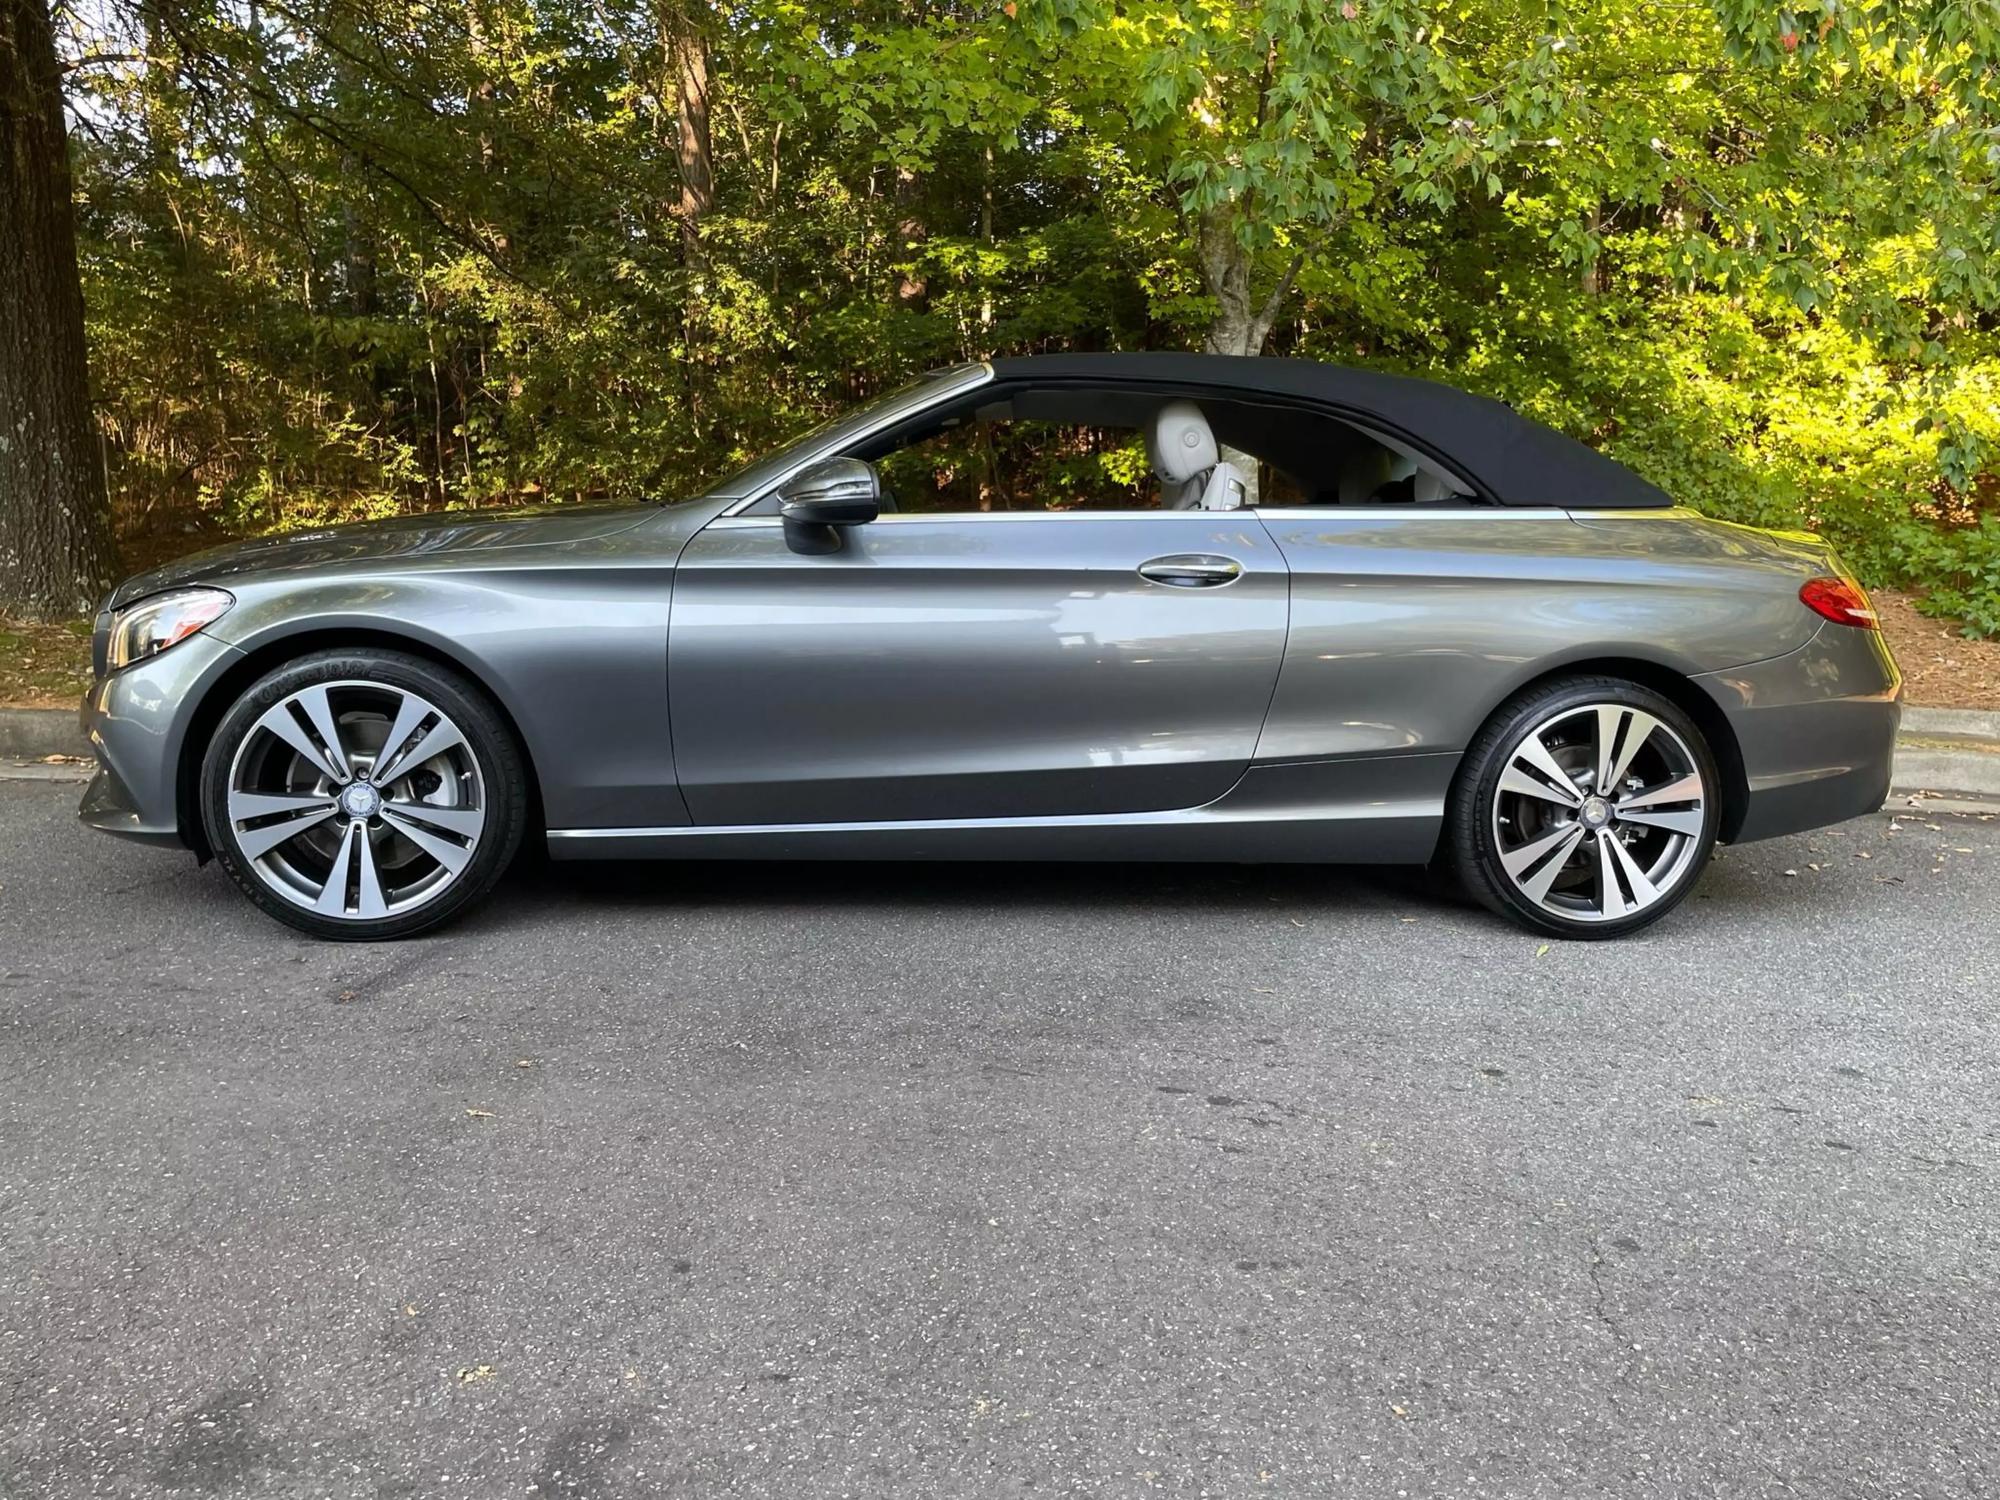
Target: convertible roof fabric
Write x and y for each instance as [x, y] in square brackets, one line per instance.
[1514, 459]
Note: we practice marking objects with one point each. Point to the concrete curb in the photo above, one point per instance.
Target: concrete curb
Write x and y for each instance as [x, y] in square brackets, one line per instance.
[1945, 751]
[1952, 752]
[1954, 724]
[31, 733]
[35, 770]
[1947, 773]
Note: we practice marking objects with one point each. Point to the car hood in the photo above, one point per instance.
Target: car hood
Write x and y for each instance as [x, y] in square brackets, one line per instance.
[401, 537]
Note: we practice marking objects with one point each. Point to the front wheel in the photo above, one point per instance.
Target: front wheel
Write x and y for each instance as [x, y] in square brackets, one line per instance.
[363, 794]
[1586, 808]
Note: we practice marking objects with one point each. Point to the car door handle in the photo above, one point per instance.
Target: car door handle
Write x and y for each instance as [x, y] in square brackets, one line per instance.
[1192, 570]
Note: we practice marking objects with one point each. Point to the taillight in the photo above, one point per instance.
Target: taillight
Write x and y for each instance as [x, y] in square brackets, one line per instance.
[1840, 600]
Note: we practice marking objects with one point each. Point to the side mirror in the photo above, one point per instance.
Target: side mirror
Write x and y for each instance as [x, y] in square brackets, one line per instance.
[827, 495]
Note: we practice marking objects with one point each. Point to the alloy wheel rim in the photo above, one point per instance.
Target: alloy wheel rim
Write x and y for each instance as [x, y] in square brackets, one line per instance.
[1599, 813]
[356, 800]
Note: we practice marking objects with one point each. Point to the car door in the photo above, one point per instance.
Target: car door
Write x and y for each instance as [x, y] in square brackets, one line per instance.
[972, 666]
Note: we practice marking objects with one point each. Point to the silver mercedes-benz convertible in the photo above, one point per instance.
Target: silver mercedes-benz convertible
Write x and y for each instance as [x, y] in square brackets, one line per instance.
[1099, 607]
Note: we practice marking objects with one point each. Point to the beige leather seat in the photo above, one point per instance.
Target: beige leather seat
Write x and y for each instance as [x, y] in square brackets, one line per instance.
[1182, 451]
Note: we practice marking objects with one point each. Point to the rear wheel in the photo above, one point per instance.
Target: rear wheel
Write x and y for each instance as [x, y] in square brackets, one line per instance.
[363, 794]
[1586, 808]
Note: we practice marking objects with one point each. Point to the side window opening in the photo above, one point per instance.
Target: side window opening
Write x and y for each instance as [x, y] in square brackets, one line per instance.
[1316, 458]
[1059, 448]
[992, 461]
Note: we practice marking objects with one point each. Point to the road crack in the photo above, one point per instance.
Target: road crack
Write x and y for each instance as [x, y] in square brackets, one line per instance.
[1602, 1313]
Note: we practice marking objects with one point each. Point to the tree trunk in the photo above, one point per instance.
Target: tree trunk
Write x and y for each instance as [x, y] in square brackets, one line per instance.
[55, 533]
[1225, 270]
[986, 239]
[687, 55]
[481, 103]
[1241, 324]
[912, 291]
[357, 242]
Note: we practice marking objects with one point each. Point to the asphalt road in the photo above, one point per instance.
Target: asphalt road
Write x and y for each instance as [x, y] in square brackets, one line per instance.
[813, 1182]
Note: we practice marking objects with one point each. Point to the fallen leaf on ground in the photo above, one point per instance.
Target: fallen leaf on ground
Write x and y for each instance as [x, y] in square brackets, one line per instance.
[480, 1114]
[469, 1373]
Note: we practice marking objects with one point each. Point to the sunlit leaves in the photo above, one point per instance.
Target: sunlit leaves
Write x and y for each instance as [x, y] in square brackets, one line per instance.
[1768, 274]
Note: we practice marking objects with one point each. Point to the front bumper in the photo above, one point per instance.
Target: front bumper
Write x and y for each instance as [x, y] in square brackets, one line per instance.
[137, 722]
[1816, 729]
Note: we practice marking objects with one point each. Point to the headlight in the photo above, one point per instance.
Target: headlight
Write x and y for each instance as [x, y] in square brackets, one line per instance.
[150, 626]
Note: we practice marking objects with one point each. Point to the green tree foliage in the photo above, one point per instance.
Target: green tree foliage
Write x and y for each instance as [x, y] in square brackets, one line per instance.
[344, 257]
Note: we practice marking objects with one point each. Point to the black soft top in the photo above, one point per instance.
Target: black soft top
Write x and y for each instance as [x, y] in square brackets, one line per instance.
[1515, 460]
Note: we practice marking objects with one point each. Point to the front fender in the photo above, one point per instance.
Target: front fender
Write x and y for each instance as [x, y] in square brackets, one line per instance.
[575, 658]
[137, 722]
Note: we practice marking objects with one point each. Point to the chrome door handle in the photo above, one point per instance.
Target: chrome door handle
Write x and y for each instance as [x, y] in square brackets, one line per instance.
[1192, 570]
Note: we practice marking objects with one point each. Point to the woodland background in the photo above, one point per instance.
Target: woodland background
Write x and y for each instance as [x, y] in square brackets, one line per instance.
[343, 258]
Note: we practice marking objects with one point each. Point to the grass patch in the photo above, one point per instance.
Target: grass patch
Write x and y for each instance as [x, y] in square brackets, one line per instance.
[43, 666]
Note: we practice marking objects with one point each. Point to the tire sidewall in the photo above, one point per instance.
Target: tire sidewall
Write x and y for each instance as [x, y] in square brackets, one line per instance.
[487, 736]
[1476, 850]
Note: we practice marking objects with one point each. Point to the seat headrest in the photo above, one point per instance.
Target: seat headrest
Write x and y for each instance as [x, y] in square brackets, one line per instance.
[1429, 489]
[1365, 469]
[1179, 444]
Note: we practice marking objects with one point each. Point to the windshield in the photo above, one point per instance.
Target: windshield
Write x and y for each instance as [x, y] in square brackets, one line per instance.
[850, 425]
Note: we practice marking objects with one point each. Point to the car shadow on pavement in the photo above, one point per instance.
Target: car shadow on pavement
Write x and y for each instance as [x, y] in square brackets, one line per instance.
[1735, 888]
[970, 885]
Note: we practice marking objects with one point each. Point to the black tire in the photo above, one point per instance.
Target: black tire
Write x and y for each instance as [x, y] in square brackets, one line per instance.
[501, 770]
[1472, 824]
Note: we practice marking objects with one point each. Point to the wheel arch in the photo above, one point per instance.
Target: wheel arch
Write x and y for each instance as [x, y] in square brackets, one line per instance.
[1680, 690]
[272, 651]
